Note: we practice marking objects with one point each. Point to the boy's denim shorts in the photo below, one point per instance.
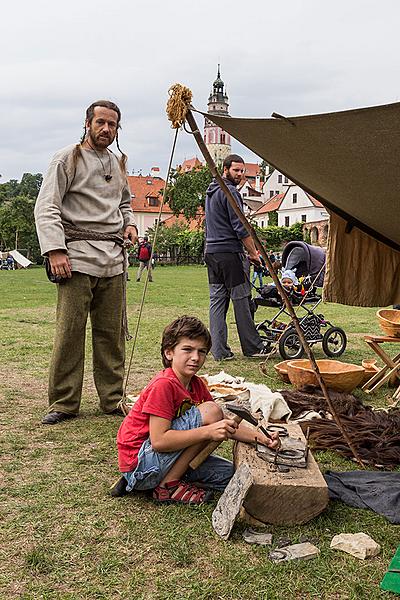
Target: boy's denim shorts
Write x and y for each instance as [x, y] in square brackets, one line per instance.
[215, 472]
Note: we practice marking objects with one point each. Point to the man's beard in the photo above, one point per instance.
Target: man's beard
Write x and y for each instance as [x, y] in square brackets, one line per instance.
[232, 179]
[100, 142]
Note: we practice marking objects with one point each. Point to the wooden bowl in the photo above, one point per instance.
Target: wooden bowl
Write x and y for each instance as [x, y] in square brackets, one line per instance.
[337, 375]
[281, 369]
[389, 320]
[371, 368]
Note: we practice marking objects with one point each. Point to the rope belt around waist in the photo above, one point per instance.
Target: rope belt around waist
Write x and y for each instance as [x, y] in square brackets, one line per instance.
[73, 234]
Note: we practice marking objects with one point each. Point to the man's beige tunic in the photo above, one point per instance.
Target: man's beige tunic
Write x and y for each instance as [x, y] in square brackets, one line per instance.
[81, 197]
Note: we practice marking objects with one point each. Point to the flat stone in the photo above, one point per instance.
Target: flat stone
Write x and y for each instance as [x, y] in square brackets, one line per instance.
[359, 545]
[231, 501]
[304, 551]
[251, 536]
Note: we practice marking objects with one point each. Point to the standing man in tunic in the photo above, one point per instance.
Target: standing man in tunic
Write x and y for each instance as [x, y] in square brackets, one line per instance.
[229, 268]
[83, 215]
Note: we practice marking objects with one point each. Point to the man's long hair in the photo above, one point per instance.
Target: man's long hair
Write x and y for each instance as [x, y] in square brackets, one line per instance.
[88, 118]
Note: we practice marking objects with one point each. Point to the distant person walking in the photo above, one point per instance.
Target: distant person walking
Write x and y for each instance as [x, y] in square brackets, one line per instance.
[83, 215]
[144, 256]
[258, 271]
[10, 263]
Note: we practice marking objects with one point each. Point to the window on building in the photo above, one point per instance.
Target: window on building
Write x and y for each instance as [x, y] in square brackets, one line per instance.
[262, 223]
[286, 221]
[153, 202]
[276, 192]
[272, 193]
[279, 178]
[286, 180]
[303, 218]
[222, 138]
[149, 182]
[133, 195]
[294, 198]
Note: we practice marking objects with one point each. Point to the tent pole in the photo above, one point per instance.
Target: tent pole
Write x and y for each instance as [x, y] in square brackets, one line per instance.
[207, 156]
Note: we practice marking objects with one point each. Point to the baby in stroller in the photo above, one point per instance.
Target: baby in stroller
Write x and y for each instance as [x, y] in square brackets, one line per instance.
[295, 289]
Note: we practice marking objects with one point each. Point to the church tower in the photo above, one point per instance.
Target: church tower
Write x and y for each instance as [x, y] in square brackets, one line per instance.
[217, 140]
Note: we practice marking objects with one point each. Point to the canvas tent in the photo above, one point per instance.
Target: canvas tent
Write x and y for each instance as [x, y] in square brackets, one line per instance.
[20, 259]
[348, 161]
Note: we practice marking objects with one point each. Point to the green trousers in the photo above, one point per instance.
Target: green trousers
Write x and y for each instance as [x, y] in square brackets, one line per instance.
[79, 297]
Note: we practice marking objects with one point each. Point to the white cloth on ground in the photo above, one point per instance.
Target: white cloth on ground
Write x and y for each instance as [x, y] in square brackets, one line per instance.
[271, 404]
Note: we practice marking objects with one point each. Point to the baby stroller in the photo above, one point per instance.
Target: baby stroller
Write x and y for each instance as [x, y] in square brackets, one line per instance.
[308, 262]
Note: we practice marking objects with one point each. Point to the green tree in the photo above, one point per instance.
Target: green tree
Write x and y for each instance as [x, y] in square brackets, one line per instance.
[17, 225]
[187, 191]
[273, 237]
[273, 218]
[9, 189]
[30, 185]
[179, 243]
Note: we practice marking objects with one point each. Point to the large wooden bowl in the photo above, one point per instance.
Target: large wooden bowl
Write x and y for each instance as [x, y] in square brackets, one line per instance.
[281, 369]
[337, 375]
[389, 320]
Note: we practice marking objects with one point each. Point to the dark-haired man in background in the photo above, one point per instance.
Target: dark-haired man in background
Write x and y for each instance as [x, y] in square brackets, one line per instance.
[82, 215]
[228, 266]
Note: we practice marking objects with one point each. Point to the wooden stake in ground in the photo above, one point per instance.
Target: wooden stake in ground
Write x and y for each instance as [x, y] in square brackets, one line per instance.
[176, 105]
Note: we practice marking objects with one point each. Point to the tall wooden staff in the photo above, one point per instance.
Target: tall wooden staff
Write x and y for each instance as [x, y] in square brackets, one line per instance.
[179, 110]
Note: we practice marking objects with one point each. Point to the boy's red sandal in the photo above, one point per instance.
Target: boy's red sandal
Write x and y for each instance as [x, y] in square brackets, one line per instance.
[181, 492]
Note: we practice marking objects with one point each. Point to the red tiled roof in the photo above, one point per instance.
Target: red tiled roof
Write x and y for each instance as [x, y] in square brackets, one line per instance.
[192, 224]
[271, 204]
[252, 170]
[314, 201]
[189, 164]
[144, 187]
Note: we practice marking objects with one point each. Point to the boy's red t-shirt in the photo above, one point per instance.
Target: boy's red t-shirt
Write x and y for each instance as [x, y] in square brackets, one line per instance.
[165, 396]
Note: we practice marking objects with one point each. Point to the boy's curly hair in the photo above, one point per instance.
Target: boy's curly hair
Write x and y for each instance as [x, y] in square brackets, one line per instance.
[185, 326]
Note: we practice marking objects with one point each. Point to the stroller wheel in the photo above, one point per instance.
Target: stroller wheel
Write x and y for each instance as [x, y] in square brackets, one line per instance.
[290, 346]
[334, 342]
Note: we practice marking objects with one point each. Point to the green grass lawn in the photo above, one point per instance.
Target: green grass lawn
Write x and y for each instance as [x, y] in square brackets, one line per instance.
[63, 537]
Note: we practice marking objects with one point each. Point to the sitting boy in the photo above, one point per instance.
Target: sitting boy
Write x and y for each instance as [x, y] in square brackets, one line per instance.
[172, 421]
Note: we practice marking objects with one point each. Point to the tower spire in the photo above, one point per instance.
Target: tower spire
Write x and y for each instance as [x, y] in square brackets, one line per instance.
[218, 141]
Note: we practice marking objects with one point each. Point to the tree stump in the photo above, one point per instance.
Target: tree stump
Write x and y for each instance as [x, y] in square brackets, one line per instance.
[279, 498]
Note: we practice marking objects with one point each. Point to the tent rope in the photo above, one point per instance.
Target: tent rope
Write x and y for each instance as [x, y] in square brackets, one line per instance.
[122, 404]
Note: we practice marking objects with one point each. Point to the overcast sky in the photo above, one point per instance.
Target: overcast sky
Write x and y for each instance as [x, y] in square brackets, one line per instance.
[290, 56]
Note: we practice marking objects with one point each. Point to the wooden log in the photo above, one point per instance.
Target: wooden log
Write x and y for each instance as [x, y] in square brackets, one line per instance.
[279, 498]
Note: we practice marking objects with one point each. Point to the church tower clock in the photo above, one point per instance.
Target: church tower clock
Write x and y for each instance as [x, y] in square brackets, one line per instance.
[217, 140]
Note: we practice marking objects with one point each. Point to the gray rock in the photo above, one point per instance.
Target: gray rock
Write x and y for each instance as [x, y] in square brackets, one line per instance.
[230, 502]
[304, 551]
[359, 545]
[251, 536]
